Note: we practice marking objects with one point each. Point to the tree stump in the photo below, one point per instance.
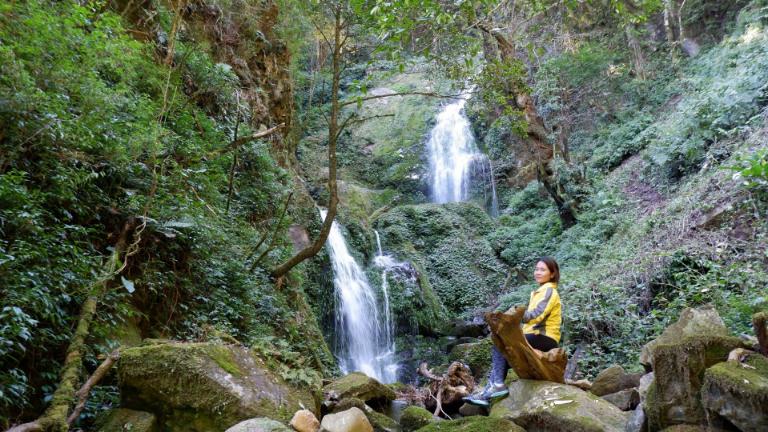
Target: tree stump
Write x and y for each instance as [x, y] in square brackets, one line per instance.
[527, 362]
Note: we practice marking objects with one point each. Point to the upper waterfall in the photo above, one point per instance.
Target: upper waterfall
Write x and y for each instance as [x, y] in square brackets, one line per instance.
[453, 155]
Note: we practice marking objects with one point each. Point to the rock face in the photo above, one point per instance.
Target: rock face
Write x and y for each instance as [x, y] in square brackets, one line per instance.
[546, 406]
[122, 419]
[204, 386]
[261, 424]
[361, 386]
[625, 400]
[380, 422]
[679, 361]
[692, 322]
[414, 418]
[351, 420]
[612, 380]
[738, 393]
[473, 424]
[305, 421]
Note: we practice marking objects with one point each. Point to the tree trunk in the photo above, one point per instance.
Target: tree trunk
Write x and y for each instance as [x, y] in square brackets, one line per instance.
[638, 59]
[333, 136]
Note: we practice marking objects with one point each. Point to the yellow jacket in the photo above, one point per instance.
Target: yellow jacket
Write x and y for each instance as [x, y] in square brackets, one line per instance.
[544, 313]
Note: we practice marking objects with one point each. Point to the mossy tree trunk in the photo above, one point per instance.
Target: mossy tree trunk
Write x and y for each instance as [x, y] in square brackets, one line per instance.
[55, 417]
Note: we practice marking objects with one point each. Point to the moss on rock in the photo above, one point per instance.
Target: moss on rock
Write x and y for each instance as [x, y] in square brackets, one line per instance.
[122, 419]
[414, 417]
[473, 424]
[543, 405]
[674, 397]
[477, 355]
[360, 386]
[204, 386]
[738, 392]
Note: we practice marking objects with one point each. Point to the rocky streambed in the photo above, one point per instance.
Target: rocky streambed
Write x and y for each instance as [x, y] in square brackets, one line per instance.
[698, 377]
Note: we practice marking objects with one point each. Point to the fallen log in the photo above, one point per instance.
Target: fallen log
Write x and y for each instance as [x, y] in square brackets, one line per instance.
[450, 388]
[527, 362]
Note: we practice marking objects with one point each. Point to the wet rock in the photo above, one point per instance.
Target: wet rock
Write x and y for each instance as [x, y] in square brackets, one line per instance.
[351, 420]
[625, 400]
[381, 422]
[361, 386]
[473, 424]
[738, 392]
[413, 418]
[259, 425]
[305, 421]
[614, 379]
[205, 386]
[674, 396]
[543, 405]
[637, 421]
[122, 419]
[474, 328]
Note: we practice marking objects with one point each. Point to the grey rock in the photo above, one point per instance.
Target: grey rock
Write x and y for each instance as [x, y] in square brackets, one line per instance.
[261, 424]
[625, 400]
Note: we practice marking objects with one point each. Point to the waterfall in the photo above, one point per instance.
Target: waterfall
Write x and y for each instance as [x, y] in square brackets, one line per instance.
[452, 153]
[385, 262]
[361, 337]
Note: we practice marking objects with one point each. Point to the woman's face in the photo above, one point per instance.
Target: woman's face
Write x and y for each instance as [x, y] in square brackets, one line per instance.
[542, 273]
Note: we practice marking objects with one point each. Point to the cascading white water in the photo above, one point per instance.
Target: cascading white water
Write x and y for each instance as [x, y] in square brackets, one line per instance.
[361, 337]
[385, 262]
[452, 153]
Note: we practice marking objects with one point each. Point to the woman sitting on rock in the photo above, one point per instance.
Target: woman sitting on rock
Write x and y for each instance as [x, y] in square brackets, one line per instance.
[542, 320]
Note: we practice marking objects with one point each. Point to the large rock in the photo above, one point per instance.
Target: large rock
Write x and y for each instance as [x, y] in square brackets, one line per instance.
[414, 417]
[261, 424]
[738, 392]
[351, 420]
[358, 385]
[476, 355]
[381, 422]
[625, 400]
[305, 421]
[122, 419]
[692, 322]
[473, 424]
[637, 421]
[614, 379]
[547, 406]
[205, 386]
[679, 363]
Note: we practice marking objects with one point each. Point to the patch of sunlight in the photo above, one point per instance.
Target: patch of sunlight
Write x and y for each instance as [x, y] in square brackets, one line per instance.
[752, 34]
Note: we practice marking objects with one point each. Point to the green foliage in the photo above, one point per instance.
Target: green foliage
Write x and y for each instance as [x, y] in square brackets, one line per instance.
[752, 169]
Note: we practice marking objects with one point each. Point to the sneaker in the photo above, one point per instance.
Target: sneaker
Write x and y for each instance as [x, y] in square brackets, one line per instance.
[486, 395]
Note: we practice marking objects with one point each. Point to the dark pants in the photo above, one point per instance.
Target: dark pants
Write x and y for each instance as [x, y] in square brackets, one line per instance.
[499, 364]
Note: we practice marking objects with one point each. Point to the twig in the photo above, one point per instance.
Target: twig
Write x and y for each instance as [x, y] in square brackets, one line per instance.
[242, 140]
[411, 93]
[274, 234]
[98, 374]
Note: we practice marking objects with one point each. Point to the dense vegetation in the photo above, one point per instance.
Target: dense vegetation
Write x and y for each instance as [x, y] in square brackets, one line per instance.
[127, 121]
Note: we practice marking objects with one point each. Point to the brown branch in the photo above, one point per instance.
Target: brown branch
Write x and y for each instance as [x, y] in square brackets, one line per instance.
[759, 322]
[98, 374]
[242, 140]
[274, 233]
[423, 371]
[411, 93]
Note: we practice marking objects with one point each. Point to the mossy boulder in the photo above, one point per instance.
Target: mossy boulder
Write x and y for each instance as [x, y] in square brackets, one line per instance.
[414, 417]
[614, 379]
[205, 386]
[122, 419]
[261, 424]
[703, 321]
[360, 386]
[674, 396]
[381, 422]
[547, 406]
[738, 392]
[473, 424]
[476, 355]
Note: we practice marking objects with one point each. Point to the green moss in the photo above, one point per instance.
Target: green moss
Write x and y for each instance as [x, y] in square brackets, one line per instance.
[473, 424]
[476, 355]
[121, 419]
[360, 386]
[750, 380]
[223, 357]
[413, 418]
